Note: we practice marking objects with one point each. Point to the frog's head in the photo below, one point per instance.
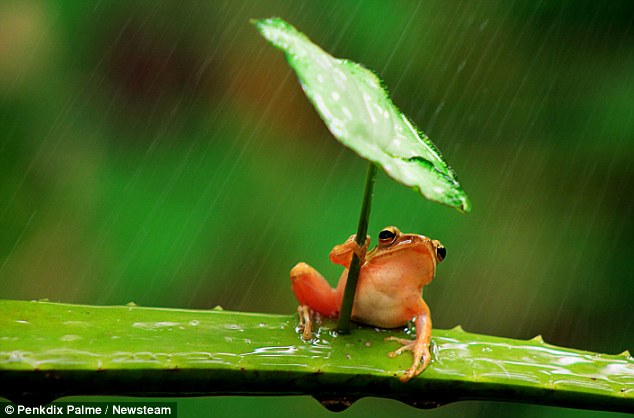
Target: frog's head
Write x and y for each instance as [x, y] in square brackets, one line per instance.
[391, 240]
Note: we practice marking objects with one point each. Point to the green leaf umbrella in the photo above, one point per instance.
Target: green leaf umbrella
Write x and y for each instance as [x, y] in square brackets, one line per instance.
[356, 107]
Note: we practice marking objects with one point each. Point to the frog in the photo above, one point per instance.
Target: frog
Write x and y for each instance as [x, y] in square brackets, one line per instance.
[389, 290]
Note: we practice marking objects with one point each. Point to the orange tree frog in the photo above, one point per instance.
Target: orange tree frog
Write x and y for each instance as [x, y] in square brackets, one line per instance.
[389, 291]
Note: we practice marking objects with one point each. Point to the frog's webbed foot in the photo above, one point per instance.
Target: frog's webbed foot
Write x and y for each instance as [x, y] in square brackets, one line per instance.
[307, 317]
[420, 351]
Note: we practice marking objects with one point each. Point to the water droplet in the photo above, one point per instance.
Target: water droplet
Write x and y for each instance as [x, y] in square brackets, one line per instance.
[69, 337]
[166, 324]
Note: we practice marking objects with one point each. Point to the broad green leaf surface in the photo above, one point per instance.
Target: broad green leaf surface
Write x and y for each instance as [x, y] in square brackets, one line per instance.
[357, 109]
[48, 350]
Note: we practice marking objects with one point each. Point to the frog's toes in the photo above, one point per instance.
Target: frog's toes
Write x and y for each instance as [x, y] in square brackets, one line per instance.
[305, 321]
[361, 250]
[403, 341]
[420, 352]
[408, 345]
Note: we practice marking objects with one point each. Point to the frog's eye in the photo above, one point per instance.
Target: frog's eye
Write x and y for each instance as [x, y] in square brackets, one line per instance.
[387, 236]
[441, 253]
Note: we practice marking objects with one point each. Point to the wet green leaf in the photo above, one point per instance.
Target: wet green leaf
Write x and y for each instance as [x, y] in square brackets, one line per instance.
[48, 350]
[357, 109]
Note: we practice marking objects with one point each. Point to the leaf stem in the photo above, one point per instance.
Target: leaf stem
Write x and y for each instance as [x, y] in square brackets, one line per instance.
[343, 325]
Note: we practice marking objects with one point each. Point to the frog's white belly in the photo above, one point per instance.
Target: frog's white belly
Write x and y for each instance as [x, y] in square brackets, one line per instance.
[380, 307]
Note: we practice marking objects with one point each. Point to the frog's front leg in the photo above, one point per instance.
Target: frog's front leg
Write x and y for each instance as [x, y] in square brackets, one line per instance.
[419, 347]
[342, 254]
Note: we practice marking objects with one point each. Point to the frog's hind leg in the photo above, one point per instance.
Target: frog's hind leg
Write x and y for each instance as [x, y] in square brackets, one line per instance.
[312, 290]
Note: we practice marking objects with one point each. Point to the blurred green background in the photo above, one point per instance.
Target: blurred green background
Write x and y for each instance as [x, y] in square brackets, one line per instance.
[164, 153]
